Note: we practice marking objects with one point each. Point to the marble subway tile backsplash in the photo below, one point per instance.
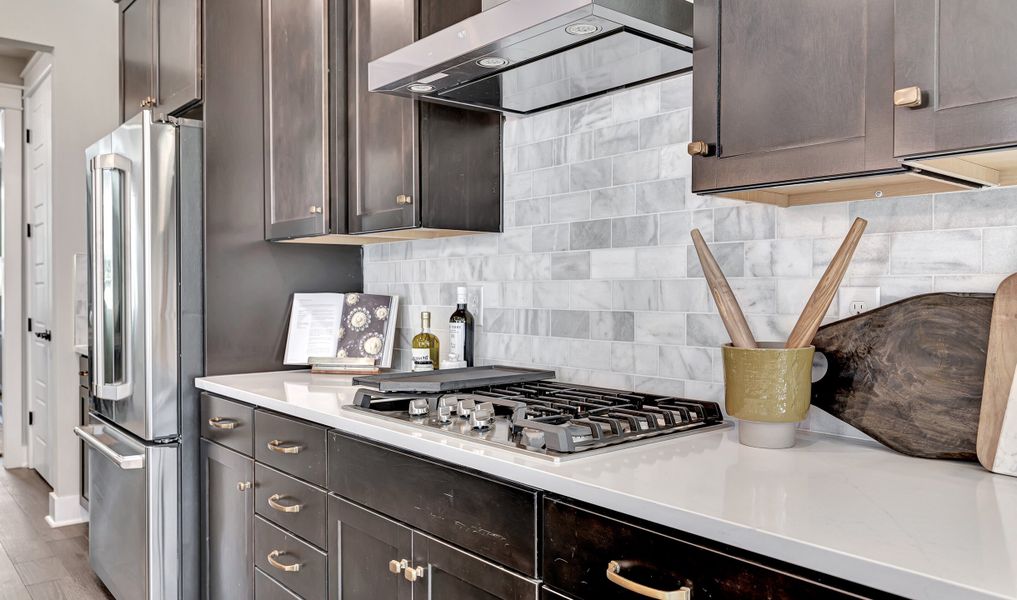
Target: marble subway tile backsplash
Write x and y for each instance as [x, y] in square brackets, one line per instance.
[596, 277]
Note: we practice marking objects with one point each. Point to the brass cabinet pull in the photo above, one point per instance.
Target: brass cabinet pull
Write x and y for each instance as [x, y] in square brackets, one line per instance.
[274, 499]
[277, 446]
[404, 199]
[397, 566]
[700, 148]
[243, 486]
[295, 567]
[412, 574]
[910, 97]
[614, 575]
[316, 210]
[223, 423]
[148, 102]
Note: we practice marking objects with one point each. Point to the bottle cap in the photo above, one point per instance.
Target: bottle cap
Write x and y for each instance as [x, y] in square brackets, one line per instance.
[425, 318]
[461, 295]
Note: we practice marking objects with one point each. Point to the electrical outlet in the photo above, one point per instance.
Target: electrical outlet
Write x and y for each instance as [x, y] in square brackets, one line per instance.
[475, 304]
[856, 300]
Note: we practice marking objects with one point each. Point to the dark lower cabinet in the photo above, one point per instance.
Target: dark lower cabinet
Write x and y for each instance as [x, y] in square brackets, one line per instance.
[368, 554]
[227, 483]
[452, 574]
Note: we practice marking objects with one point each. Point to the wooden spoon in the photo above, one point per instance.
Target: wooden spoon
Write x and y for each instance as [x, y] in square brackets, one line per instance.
[814, 311]
[727, 305]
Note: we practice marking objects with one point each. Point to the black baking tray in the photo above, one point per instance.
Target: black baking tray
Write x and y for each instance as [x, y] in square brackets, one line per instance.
[449, 380]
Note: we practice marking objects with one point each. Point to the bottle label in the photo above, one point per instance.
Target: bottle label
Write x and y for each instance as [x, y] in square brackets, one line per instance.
[457, 340]
[422, 360]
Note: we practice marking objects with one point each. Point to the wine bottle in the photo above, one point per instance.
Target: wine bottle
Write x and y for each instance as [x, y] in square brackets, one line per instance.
[425, 346]
[460, 329]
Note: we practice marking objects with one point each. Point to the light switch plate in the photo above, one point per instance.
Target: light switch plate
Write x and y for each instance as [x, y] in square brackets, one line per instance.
[475, 304]
[856, 300]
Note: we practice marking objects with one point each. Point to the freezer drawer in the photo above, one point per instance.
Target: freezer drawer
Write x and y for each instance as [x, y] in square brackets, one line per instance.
[133, 541]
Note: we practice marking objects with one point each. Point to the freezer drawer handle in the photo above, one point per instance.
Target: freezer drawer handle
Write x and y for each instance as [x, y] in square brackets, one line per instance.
[295, 567]
[274, 499]
[614, 575]
[280, 447]
[223, 423]
[87, 435]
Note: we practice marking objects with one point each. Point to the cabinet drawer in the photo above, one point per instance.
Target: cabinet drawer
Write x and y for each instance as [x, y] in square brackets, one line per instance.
[228, 423]
[291, 503]
[579, 544]
[494, 519]
[266, 588]
[292, 446]
[288, 551]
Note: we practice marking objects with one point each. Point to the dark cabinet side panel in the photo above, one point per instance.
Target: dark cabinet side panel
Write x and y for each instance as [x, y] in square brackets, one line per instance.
[179, 54]
[249, 281]
[137, 55]
[792, 90]
[227, 523]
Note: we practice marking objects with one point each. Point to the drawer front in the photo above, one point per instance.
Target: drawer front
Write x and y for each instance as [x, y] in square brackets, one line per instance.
[291, 503]
[228, 423]
[294, 447]
[493, 519]
[266, 588]
[274, 544]
[579, 544]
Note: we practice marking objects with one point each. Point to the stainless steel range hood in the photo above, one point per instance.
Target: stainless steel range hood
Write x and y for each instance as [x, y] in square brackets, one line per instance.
[525, 56]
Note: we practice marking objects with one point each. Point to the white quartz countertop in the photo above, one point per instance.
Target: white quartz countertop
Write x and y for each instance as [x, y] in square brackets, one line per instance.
[853, 509]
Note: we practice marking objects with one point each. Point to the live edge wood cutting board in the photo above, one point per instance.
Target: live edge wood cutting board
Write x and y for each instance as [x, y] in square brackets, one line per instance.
[910, 374]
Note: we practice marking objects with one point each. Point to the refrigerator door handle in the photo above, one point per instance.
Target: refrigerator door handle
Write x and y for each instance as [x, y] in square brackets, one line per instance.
[111, 269]
[88, 433]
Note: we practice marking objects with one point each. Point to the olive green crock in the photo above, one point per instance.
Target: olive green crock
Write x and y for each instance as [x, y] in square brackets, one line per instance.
[769, 384]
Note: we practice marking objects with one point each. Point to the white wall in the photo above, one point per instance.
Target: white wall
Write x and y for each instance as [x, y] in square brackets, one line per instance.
[83, 38]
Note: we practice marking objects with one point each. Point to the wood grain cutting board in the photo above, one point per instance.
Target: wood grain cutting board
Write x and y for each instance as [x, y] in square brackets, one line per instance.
[910, 374]
[997, 428]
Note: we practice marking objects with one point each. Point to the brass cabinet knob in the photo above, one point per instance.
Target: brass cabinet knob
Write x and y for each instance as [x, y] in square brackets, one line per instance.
[148, 102]
[909, 97]
[315, 210]
[404, 199]
[243, 486]
[413, 573]
[700, 148]
[397, 566]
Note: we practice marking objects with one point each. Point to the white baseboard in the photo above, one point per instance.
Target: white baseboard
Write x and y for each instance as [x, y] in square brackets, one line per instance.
[65, 510]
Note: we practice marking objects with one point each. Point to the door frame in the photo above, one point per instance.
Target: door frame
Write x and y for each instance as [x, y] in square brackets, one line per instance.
[15, 446]
[38, 71]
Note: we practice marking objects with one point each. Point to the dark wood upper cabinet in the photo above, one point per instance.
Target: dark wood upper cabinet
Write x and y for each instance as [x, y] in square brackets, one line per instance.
[792, 102]
[959, 54]
[160, 55]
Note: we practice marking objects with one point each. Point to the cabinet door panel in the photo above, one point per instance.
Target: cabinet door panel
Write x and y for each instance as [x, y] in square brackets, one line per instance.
[179, 63]
[382, 128]
[792, 90]
[296, 119]
[227, 522]
[960, 53]
[361, 545]
[452, 574]
[137, 55]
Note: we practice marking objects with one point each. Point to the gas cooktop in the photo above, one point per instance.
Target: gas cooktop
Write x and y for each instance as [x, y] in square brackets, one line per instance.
[556, 421]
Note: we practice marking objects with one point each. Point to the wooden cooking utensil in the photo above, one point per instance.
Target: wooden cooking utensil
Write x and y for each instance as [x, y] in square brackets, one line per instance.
[727, 305]
[997, 424]
[814, 311]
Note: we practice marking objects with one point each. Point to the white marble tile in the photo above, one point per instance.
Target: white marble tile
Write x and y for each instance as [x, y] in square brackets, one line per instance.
[683, 362]
[660, 328]
[616, 139]
[675, 228]
[636, 166]
[613, 202]
[660, 386]
[636, 294]
[590, 354]
[569, 207]
[665, 195]
[593, 295]
[614, 263]
[548, 182]
[887, 215]
[685, 295]
[778, 258]
[812, 221]
[748, 222]
[664, 129]
[872, 256]
[999, 250]
[552, 294]
[936, 252]
[663, 262]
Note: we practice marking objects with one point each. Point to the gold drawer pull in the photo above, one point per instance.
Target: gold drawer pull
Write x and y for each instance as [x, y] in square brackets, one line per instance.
[396, 566]
[412, 574]
[278, 446]
[223, 423]
[699, 148]
[910, 97]
[274, 499]
[614, 575]
[294, 568]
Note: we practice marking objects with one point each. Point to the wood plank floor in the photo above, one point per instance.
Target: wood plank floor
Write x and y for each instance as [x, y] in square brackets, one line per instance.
[36, 561]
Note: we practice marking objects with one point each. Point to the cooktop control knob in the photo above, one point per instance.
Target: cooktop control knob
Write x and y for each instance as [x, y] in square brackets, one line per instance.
[465, 407]
[448, 402]
[531, 438]
[482, 416]
[444, 414]
[418, 407]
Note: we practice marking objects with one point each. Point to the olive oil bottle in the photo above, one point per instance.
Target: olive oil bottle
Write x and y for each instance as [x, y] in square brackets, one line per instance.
[425, 346]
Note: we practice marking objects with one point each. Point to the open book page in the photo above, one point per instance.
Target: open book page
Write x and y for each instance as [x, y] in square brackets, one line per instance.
[315, 321]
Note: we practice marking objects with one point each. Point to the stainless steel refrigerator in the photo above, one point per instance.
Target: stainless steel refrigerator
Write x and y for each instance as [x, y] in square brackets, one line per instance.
[145, 349]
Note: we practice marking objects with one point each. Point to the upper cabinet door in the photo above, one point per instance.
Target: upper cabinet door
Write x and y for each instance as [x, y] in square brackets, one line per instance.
[179, 54]
[383, 180]
[960, 54]
[296, 118]
[137, 55]
[790, 90]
